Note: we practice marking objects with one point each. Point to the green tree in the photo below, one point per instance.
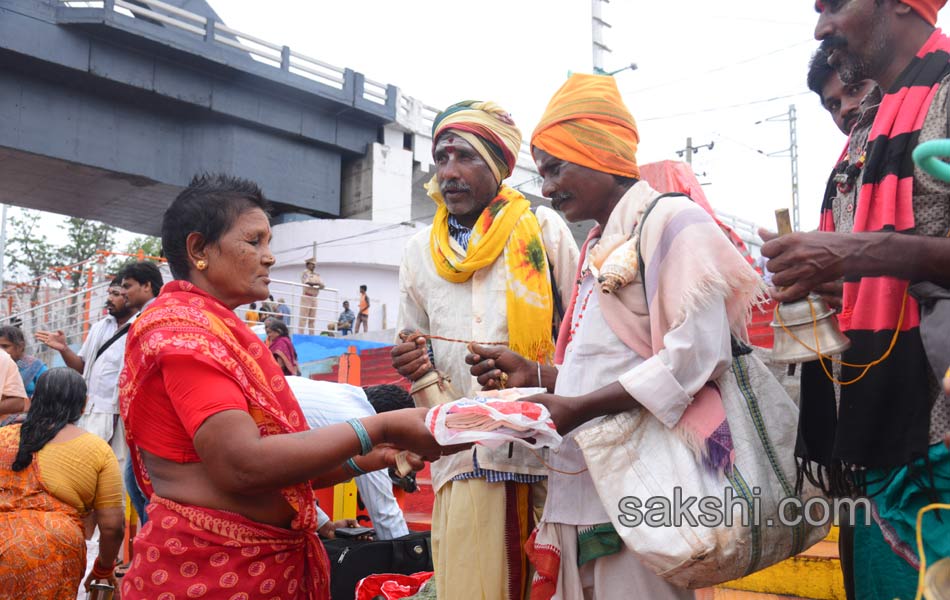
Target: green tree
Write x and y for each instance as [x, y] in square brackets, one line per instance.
[85, 237]
[148, 244]
[28, 249]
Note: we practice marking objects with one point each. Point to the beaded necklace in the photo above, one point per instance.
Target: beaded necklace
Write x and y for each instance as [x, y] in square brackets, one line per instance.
[580, 314]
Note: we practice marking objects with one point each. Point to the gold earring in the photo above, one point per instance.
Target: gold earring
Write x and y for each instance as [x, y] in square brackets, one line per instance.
[201, 264]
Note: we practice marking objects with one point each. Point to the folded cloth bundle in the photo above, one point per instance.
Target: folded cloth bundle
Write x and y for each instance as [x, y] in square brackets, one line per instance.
[492, 419]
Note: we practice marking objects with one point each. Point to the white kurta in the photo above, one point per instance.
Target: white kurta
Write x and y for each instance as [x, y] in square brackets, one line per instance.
[474, 310]
[696, 351]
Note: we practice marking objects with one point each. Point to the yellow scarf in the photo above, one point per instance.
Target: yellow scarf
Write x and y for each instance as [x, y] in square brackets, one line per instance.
[507, 224]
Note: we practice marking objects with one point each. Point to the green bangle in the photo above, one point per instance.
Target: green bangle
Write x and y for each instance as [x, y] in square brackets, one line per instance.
[351, 464]
[366, 443]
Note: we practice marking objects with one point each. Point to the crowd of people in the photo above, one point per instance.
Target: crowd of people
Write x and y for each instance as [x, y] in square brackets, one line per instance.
[211, 431]
[278, 310]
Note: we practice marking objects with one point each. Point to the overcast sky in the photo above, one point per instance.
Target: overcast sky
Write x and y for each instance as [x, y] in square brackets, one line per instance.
[694, 56]
[708, 70]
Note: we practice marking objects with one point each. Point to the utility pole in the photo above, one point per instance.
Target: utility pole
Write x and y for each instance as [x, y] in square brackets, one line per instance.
[598, 25]
[690, 149]
[792, 152]
[3, 243]
[598, 46]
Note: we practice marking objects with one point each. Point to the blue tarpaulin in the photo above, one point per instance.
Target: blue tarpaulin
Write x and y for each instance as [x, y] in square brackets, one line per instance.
[318, 347]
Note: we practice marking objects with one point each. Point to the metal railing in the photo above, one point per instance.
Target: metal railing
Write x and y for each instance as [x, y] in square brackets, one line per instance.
[55, 301]
[289, 293]
[48, 303]
[263, 51]
[745, 229]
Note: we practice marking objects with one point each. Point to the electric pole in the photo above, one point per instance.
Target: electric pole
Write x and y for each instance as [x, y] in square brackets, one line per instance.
[690, 149]
[598, 25]
[792, 152]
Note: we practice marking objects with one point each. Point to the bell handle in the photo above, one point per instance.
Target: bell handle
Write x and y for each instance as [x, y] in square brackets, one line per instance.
[783, 221]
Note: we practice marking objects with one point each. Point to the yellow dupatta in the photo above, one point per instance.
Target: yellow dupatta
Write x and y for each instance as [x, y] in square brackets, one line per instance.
[506, 225]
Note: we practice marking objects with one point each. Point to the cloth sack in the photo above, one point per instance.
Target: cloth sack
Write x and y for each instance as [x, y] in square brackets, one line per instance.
[633, 457]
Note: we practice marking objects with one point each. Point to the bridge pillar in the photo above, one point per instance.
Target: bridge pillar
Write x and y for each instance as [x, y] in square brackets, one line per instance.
[378, 186]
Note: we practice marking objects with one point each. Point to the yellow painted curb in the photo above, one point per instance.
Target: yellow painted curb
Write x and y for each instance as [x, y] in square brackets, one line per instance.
[814, 574]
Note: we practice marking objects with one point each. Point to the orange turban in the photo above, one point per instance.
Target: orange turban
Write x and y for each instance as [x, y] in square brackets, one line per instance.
[926, 8]
[587, 123]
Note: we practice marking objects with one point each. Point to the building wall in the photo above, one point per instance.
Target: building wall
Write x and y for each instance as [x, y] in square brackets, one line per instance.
[350, 252]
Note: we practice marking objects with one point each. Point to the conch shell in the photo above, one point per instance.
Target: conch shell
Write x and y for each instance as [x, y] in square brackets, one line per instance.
[619, 268]
[599, 253]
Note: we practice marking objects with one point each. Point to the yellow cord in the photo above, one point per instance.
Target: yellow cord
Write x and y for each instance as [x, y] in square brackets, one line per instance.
[823, 357]
[920, 545]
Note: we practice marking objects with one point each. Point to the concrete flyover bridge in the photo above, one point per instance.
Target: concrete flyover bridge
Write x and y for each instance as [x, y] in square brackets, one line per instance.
[108, 108]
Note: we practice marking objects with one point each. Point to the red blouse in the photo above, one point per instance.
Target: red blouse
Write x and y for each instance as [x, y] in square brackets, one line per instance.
[182, 393]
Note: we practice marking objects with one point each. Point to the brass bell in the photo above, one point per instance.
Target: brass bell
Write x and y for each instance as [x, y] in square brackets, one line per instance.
[432, 389]
[815, 331]
[937, 581]
[803, 329]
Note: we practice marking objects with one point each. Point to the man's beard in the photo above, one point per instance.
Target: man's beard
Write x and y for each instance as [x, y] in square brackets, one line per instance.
[853, 67]
[119, 314]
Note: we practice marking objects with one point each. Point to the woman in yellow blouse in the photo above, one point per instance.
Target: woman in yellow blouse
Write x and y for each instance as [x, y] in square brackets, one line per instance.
[52, 475]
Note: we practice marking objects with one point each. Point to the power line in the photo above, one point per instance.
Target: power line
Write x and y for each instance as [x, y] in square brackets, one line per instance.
[395, 237]
[757, 151]
[693, 75]
[727, 107]
[331, 243]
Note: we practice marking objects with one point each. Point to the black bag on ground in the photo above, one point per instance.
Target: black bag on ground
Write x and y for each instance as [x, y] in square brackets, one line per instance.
[352, 560]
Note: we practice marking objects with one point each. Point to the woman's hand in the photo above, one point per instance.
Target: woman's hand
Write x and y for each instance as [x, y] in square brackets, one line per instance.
[564, 411]
[494, 365]
[406, 429]
[383, 456]
[411, 358]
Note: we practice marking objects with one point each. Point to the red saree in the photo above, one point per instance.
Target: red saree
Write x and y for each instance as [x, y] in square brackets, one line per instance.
[193, 551]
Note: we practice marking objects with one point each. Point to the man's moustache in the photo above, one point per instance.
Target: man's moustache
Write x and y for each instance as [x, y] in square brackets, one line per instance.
[455, 188]
[834, 42]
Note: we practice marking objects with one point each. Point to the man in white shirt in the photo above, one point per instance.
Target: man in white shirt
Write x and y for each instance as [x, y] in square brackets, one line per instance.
[326, 403]
[487, 269]
[100, 361]
[652, 343]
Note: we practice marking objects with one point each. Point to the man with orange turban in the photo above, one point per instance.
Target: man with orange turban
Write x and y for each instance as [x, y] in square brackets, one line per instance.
[881, 435]
[488, 268]
[627, 341]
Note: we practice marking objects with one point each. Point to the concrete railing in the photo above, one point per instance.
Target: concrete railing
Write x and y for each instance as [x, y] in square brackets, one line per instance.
[260, 50]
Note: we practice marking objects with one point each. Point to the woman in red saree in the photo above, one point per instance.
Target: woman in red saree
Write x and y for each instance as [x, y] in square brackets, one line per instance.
[280, 345]
[218, 441]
